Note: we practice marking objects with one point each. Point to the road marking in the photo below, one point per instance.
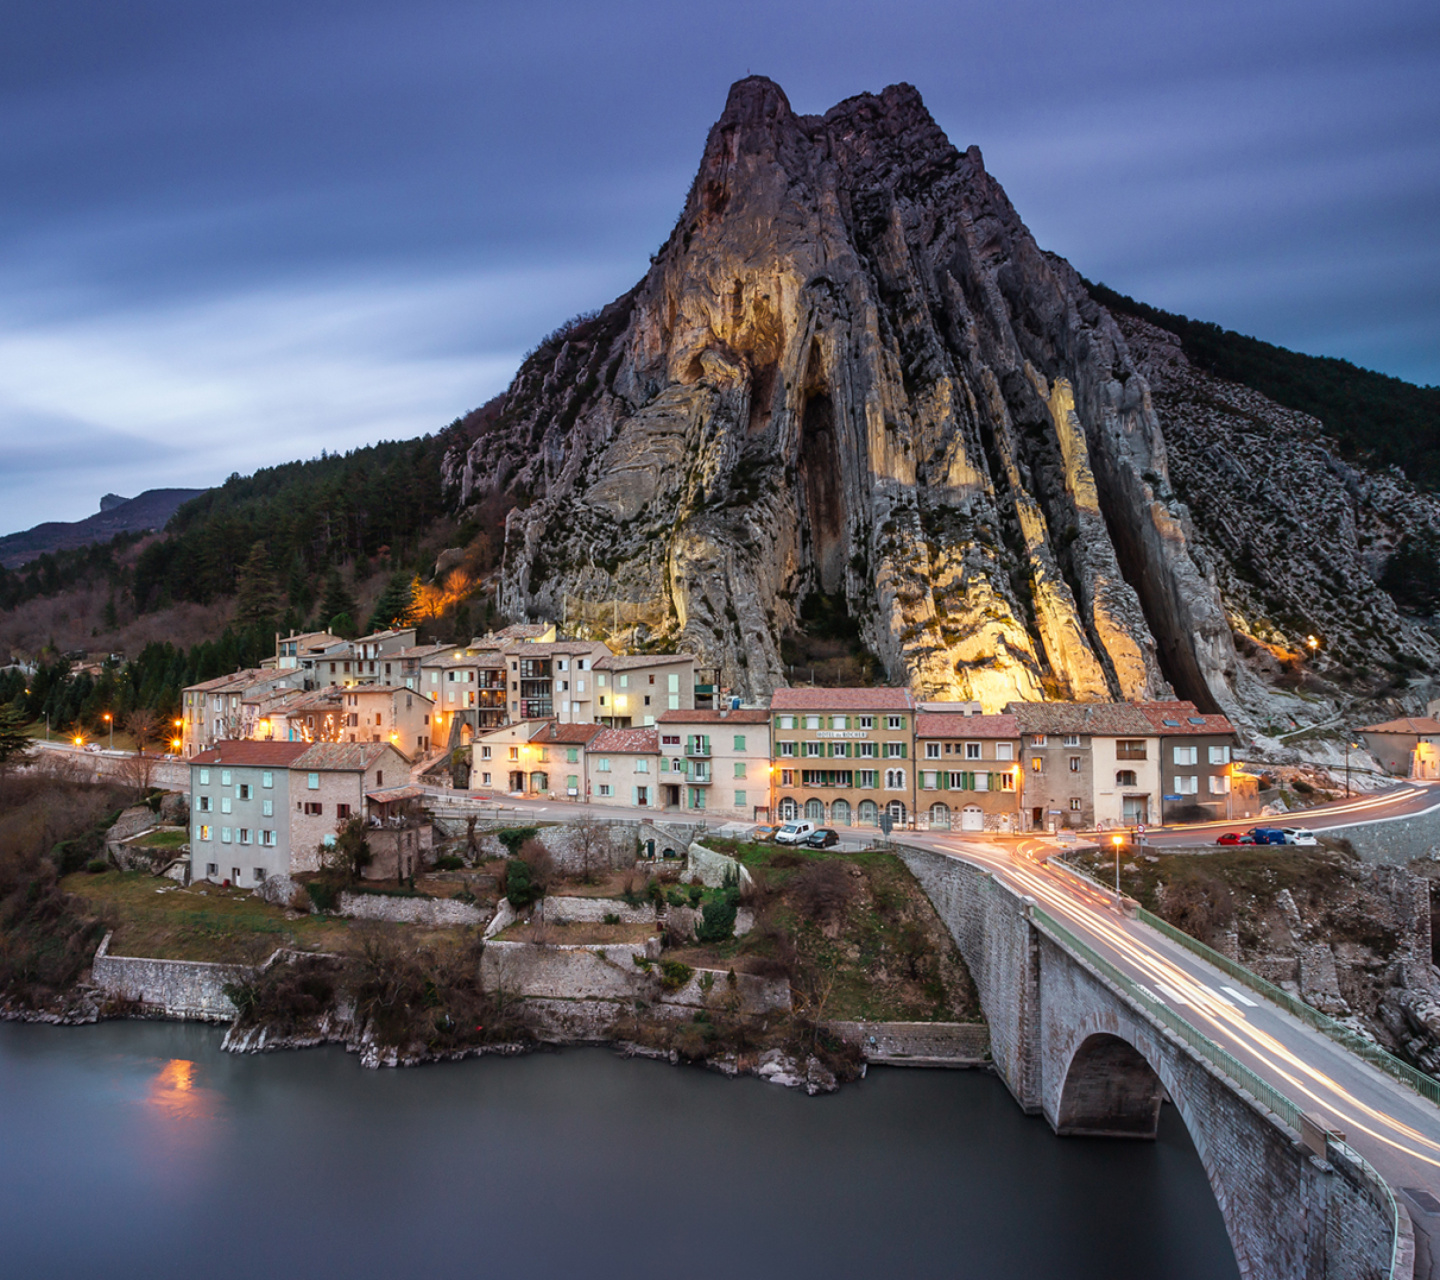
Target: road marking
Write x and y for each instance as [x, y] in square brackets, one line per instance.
[1172, 993]
[1245, 1000]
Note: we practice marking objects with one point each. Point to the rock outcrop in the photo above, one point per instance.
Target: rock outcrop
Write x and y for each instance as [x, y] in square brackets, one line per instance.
[851, 372]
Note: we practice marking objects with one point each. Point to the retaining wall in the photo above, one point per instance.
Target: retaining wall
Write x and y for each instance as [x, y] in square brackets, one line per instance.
[919, 1044]
[185, 989]
[433, 912]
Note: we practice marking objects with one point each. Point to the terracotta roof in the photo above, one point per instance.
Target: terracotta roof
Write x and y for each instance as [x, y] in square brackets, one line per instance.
[447, 658]
[1173, 719]
[935, 724]
[842, 700]
[572, 733]
[387, 688]
[522, 631]
[240, 753]
[345, 756]
[418, 651]
[388, 634]
[236, 680]
[742, 715]
[638, 742]
[392, 794]
[548, 648]
[1406, 724]
[1104, 719]
[630, 661]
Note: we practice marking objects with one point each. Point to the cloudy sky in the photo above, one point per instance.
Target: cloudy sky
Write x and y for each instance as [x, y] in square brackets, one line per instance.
[233, 234]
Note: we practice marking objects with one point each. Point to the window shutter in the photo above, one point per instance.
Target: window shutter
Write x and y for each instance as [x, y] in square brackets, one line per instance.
[902, 750]
[635, 795]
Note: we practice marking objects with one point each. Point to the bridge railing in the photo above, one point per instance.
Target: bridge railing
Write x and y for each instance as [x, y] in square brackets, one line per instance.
[1425, 1086]
[1265, 1094]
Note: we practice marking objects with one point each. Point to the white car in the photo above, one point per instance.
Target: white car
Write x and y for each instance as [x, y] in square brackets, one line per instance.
[793, 832]
[1299, 835]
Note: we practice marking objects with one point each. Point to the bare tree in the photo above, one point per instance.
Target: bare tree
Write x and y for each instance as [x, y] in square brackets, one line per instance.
[143, 724]
[590, 839]
[135, 772]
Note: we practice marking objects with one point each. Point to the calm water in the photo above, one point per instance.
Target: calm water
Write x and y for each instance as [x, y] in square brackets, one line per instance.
[139, 1149]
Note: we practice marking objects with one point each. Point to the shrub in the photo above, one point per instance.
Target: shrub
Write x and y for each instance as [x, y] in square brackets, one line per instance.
[717, 920]
[695, 893]
[514, 837]
[822, 891]
[611, 918]
[520, 887]
[96, 865]
[675, 898]
[324, 896]
[542, 866]
[674, 974]
[449, 862]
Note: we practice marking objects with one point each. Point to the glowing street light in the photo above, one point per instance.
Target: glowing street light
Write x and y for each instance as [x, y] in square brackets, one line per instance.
[1313, 643]
[111, 723]
[1117, 841]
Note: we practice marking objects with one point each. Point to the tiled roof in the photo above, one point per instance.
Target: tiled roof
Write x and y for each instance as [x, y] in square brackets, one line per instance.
[388, 634]
[742, 715]
[1172, 719]
[554, 648]
[234, 682]
[447, 658]
[419, 651]
[341, 755]
[387, 688]
[1406, 724]
[522, 631]
[933, 724]
[638, 742]
[1105, 719]
[630, 661]
[842, 700]
[277, 755]
[392, 794]
[572, 733]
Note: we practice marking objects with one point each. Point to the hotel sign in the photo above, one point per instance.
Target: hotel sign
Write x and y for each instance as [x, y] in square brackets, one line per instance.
[842, 733]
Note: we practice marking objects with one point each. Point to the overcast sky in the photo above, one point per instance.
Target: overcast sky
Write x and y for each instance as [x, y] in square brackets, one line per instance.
[233, 234]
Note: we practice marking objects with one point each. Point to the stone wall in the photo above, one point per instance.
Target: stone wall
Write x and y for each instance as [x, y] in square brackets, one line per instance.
[186, 989]
[1395, 841]
[432, 912]
[559, 910]
[705, 866]
[919, 1044]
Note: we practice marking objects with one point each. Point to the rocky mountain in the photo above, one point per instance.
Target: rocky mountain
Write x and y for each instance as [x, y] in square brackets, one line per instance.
[151, 510]
[851, 372]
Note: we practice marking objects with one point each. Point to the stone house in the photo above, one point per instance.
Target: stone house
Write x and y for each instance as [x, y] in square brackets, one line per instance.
[385, 713]
[1197, 765]
[401, 837]
[553, 678]
[1087, 764]
[967, 770]
[636, 689]
[228, 707]
[468, 687]
[515, 759]
[371, 652]
[240, 811]
[841, 756]
[329, 782]
[403, 667]
[716, 761]
[313, 654]
[1408, 747]
[625, 768]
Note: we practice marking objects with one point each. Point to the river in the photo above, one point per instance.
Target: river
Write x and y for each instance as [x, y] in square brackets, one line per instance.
[135, 1149]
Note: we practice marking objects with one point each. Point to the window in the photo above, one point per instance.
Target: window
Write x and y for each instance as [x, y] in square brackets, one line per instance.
[224, 835]
[865, 779]
[740, 769]
[1037, 764]
[1074, 804]
[624, 682]
[1004, 751]
[258, 873]
[739, 800]
[267, 779]
[1130, 749]
[787, 777]
[224, 804]
[1187, 786]
[894, 779]
[1219, 755]
[211, 869]
[1070, 740]
[642, 765]
[1074, 764]
[812, 722]
[1187, 755]
[314, 809]
[1219, 784]
[787, 749]
[224, 777]
[379, 777]
[603, 764]
[312, 783]
[204, 832]
[839, 722]
[813, 749]
[242, 792]
[982, 781]
[244, 835]
[865, 750]
[929, 781]
[1037, 739]
[484, 753]
[1007, 781]
[572, 755]
[932, 751]
[202, 804]
[484, 779]
[514, 753]
[268, 838]
[669, 739]
[894, 722]
[204, 777]
[785, 722]
[1125, 778]
[957, 781]
[739, 742]
[894, 750]
[972, 751]
[342, 811]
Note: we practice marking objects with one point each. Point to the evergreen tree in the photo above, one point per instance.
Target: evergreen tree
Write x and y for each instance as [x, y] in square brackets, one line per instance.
[396, 602]
[338, 602]
[257, 596]
[15, 744]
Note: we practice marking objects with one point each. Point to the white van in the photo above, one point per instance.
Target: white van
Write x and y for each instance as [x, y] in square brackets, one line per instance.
[793, 832]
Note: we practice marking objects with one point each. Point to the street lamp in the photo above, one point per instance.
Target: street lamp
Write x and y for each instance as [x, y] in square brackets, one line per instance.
[1313, 643]
[1349, 747]
[1117, 841]
[111, 723]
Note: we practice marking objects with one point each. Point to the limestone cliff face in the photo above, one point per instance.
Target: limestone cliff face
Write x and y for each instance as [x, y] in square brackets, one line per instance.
[851, 370]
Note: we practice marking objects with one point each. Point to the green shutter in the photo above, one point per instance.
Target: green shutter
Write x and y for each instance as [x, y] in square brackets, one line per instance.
[902, 750]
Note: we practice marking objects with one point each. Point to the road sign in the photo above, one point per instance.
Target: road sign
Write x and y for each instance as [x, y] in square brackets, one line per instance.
[887, 823]
[1139, 828]
[1174, 797]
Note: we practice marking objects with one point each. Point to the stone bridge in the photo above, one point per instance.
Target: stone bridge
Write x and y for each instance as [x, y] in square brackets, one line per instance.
[1074, 1045]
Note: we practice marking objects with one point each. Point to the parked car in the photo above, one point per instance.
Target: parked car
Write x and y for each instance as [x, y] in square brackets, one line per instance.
[765, 831]
[1235, 837]
[1299, 835]
[822, 838]
[793, 832]
[1268, 835]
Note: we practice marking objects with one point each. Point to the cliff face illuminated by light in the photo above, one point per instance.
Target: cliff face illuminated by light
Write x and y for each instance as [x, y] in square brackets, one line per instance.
[851, 371]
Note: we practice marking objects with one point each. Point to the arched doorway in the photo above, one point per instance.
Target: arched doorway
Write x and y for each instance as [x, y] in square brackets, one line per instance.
[815, 810]
[869, 813]
[896, 810]
[788, 810]
[939, 816]
[840, 813]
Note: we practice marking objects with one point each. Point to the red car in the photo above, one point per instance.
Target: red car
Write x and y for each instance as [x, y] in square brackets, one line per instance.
[1235, 837]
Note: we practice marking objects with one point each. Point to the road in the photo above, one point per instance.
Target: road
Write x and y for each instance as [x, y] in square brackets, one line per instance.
[1396, 1130]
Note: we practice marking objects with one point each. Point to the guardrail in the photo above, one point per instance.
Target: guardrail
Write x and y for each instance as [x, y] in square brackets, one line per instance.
[1426, 1086]
[1240, 1075]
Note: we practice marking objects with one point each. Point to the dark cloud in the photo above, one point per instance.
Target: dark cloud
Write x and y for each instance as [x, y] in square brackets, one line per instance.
[234, 232]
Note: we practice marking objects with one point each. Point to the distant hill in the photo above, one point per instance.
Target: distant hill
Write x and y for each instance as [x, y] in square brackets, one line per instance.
[151, 510]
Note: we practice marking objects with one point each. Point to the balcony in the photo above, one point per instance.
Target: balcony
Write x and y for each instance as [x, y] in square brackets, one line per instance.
[701, 776]
[698, 750]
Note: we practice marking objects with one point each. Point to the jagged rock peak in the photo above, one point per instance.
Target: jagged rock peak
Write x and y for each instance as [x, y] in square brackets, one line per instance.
[850, 372]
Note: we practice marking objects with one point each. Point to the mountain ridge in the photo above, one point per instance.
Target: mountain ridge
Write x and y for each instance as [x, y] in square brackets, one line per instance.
[142, 513]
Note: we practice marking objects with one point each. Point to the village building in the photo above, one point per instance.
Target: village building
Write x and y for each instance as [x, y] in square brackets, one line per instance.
[843, 756]
[968, 772]
[625, 768]
[363, 713]
[634, 690]
[371, 651]
[328, 786]
[240, 811]
[468, 688]
[312, 654]
[228, 707]
[1087, 764]
[1198, 776]
[403, 666]
[716, 762]
[1408, 747]
[513, 759]
[553, 678]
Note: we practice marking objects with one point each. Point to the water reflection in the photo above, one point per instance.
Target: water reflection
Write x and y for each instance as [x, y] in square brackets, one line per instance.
[173, 1092]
